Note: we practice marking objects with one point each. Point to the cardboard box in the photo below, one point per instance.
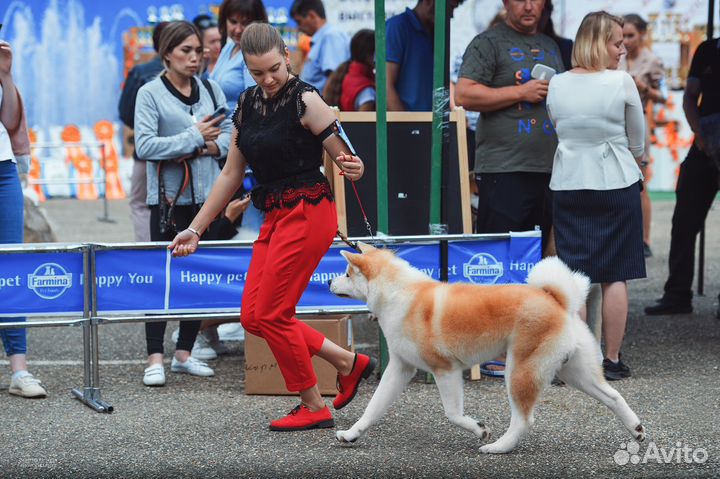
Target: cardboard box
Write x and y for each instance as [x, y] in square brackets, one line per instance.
[262, 374]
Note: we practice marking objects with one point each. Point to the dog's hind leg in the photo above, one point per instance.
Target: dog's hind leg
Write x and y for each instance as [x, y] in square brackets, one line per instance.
[450, 385]
[584, 372]
[524, 381]
[393, 382]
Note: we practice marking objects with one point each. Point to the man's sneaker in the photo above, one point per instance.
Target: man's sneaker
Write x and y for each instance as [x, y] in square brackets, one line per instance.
[615, 370]
[347, 386]
[202, 349]
[665, 306]
[154, 375]
[211, 334]
[231, 332]
[191, 366]
[302, 418]
[27, 386]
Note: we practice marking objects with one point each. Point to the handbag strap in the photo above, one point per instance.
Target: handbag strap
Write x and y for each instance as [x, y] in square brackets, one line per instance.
[186, 180]
[210, 90]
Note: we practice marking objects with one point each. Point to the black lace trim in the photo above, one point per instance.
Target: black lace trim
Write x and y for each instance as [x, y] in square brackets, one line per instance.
[267, 198]
[301, 106]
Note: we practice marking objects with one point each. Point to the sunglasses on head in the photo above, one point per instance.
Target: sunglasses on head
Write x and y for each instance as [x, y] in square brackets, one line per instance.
[205, 23]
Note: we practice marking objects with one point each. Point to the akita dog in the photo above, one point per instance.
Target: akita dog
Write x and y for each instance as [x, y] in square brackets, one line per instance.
[446, 328]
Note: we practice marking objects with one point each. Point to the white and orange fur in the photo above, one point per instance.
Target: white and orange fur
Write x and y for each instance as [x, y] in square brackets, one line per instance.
[446, 328]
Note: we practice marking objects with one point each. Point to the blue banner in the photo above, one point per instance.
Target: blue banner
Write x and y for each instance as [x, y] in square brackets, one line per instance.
[493, 262]
[41, 284]
[131, 280]
[213, 279]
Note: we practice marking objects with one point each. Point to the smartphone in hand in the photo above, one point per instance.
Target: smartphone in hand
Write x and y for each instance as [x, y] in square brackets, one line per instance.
[542, 72]
[221, 110]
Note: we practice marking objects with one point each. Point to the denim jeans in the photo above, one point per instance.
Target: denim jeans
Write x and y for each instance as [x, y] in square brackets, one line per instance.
[11, 231]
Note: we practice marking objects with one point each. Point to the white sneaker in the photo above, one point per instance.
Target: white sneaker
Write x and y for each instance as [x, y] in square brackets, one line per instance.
[202, 349]
[154, 375]
[211, 334]
[27, 386]
[191, 366]
[231, 332]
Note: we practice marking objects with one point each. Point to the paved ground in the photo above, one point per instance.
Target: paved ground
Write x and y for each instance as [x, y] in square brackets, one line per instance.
[210, 428]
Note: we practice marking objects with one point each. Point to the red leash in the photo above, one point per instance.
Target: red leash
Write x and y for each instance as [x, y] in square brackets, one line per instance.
[367, 223]
[352, 244]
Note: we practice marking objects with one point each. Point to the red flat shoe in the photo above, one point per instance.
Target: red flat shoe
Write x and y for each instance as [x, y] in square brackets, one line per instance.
[301, 418]
[363, 367]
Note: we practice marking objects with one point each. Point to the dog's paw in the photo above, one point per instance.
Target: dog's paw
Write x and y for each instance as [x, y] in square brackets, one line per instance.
[494, 448]
[346, 438]
[482, 431]
[639, 433]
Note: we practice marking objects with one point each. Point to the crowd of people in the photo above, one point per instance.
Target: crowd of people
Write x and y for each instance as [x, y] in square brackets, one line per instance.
[221, 104]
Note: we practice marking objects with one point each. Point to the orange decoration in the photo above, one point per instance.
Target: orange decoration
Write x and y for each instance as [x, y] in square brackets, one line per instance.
[82, 163]
[35, 172]
[113, 186]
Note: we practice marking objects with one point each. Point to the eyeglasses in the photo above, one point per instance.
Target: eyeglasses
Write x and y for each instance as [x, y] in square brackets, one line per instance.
[205, 23]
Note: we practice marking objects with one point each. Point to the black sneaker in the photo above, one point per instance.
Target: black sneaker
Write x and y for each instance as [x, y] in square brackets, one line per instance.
[647, 251]
[615, 370]
[664, 307]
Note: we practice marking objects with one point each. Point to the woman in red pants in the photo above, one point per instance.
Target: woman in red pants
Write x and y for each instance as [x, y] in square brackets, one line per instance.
[281, 128]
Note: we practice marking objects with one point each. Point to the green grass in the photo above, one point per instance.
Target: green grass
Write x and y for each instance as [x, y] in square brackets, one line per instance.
[668, 196]
[662, 195]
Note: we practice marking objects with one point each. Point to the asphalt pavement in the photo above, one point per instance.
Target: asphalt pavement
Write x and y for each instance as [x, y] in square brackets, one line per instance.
[200, 427]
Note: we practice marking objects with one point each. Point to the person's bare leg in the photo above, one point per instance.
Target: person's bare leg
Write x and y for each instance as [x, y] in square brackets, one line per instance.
[207, 323]
[340, 358]
[155, 358]
[182, 355]
[646, 207]
[614, 314]
[18, 362]
[583, 312]
[312, 398]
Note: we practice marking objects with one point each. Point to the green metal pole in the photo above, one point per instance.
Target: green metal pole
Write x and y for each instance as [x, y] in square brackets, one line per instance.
[439, 123]
[440, 134]
[381, 118]
[381, 137]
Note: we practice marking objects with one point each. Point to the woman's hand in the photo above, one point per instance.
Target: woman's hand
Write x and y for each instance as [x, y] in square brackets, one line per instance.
[237, 207]
[5, 59]
[208, 127]
[184, 244]
[641, 86]
[352, 166]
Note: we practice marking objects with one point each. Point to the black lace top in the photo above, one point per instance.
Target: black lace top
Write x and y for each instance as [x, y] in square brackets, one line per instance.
[284, 155]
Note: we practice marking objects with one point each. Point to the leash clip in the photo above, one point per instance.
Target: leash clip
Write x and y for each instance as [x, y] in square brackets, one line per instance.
[352, 244]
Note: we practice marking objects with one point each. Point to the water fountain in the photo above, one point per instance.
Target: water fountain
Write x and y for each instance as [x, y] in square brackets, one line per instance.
[67, 73]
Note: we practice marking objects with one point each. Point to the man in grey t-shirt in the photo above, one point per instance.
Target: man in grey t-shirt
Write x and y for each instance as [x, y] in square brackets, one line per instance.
[515, 140]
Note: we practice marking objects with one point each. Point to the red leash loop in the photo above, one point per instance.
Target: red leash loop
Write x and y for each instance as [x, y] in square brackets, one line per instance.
[367, 223]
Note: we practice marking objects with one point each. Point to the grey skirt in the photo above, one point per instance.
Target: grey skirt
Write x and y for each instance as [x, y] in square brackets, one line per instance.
[600, 232]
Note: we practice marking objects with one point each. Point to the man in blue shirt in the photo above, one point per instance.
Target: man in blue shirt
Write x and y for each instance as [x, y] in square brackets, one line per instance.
[410, 57]
[329, 46]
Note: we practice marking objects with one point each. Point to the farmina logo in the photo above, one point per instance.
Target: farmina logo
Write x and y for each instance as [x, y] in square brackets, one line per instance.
[49, 280]
[483, 268]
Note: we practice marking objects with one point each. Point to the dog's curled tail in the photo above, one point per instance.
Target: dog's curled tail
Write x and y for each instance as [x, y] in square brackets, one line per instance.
[569, 288]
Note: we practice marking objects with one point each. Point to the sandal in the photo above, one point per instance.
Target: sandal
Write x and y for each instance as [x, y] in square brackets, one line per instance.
[495, 373]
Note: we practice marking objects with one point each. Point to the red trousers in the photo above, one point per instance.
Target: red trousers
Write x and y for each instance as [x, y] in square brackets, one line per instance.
[291, 244]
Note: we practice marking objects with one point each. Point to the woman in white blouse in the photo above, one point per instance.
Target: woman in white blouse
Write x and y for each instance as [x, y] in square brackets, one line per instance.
[596, 177]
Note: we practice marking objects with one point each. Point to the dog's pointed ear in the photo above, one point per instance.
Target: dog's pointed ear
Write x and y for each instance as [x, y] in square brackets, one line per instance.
[365, 248]
[354, 259]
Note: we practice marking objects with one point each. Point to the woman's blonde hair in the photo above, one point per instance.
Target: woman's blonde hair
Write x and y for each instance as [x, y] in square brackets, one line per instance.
[260, 38]
[590, 48]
